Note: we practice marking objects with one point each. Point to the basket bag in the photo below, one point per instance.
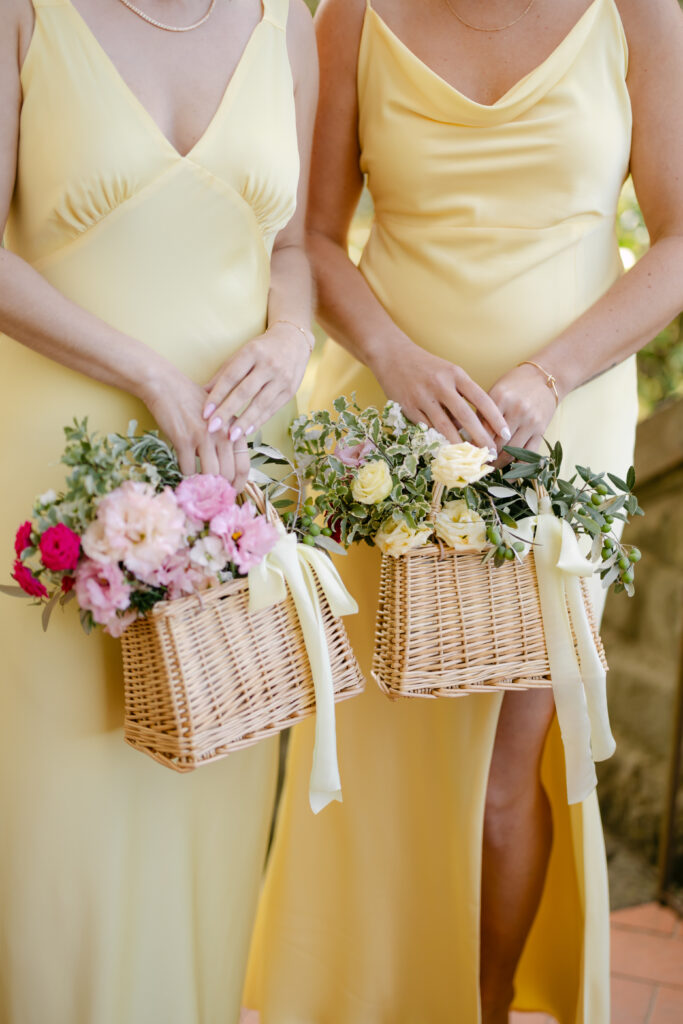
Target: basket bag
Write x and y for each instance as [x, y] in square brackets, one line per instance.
[204, 675]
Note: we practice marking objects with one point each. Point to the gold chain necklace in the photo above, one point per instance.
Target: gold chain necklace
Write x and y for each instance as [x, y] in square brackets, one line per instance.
[170, 28]
[478, 28]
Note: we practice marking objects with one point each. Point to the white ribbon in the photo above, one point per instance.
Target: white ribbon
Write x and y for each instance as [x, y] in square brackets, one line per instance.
[579, 683]
[294, 566]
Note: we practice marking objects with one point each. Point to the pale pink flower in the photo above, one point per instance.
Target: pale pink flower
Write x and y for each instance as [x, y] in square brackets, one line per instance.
[101, 589]
[247, 537]
[136, 526]
[203, 496]
[354, 456]
[181, 576]
[209, 553]
[118, 624]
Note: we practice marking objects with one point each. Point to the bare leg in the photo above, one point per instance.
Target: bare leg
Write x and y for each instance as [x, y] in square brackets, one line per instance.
[517, 839]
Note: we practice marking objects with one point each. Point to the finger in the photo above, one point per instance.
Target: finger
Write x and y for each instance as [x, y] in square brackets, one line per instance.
[264, 405]
[519, 439]
[208, 457]
[435, 416]
[484, 404]
[227, 379]
[237, 402]
[226, 459]
[535, 443]
[466, 418]
[241, 468]
[187, 460]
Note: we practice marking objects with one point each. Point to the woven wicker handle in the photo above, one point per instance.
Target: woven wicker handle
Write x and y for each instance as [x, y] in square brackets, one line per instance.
[256, 495]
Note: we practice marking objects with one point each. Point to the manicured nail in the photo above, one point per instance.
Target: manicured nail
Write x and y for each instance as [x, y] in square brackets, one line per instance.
[493, 454]
[248, 431]
[235, 434]
[215, 424]
[209, 410]
[505, 434]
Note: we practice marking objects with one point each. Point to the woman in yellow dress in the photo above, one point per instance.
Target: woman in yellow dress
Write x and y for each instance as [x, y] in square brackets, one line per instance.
[495, 138]
[148, 181]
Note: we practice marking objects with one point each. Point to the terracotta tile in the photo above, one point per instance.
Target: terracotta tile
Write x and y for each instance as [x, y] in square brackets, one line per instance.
[631, 1001]
[648, 957]
[668, 1008]
[650, 917]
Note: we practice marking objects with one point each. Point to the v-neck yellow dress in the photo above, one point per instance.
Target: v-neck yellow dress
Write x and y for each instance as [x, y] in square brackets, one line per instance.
[494, 229]
[127, 892]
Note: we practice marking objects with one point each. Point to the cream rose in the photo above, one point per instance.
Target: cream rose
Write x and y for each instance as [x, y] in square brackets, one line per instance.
[460, 527]
[396, 537]
[456, 465]
[372, 482]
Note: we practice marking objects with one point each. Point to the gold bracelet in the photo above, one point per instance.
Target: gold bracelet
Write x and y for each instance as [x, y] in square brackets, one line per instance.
[308, 335]
[551, 382]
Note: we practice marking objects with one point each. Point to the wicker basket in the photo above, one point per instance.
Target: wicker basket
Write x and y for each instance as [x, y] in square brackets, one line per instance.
[206, 677]
[448, 625]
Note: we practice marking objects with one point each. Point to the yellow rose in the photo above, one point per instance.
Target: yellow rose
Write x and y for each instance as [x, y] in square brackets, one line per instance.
[460, 527]
[372, 482]
[396, 537]
[456, 465]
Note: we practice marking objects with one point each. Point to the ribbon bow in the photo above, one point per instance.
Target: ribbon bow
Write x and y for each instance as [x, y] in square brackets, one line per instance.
[294, 567]
[577, 674]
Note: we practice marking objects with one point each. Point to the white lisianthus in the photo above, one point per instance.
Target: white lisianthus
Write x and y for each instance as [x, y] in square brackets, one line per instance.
[395, 537]
[460, 527]
[372, 483]
[209, 553]
[456, 465]
[394, 418]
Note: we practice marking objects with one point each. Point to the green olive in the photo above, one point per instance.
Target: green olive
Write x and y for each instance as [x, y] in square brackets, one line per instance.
[606, 553]
[635, 555]
[308, 539]
[627, 577]
[306, 521]
[623, 562]
[596, 499]
[509, 554]
[314, 530]
[605, 528]
[518, 546]
[326, 531]
[608, 542]
[494, 535]
[609, 519]
[601, 489]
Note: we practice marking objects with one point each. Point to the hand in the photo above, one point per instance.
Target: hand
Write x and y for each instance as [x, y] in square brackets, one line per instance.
[528, 405]
[177, 403]
[433, 391]
[256, 382]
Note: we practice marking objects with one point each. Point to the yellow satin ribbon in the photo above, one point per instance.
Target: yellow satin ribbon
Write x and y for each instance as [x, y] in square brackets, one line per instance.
[577, 674]
[294, 567]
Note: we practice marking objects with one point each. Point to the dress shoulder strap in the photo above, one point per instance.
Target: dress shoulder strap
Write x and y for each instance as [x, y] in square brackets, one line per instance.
[276, 11]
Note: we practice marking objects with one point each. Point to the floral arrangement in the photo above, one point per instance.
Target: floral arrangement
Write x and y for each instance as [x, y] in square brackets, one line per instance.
[128, 531]
[375, 476]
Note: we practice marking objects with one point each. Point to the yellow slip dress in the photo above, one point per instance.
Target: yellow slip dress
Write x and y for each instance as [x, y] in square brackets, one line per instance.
[494, 229]
[127, 892]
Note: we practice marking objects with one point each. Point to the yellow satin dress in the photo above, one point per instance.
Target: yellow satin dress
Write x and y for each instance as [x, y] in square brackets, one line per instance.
[494, 229]
[127, 892]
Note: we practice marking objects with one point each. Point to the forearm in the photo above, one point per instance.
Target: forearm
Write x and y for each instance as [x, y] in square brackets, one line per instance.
[291, 287]
[40, 317]
[639, 305]
[348, 309]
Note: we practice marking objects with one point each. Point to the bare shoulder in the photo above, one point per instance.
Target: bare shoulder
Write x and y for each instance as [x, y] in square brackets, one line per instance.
[16, 28]
[651, 28]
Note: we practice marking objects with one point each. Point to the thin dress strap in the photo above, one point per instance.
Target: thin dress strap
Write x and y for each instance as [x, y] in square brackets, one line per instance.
[276, 11]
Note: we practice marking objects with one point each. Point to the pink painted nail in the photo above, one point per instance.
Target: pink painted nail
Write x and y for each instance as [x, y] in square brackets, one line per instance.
[248, 431]
[235, 434]
[209, 410]
[505, 434]
[215, 424]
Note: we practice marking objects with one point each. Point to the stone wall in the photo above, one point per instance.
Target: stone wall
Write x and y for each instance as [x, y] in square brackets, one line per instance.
[643, 641]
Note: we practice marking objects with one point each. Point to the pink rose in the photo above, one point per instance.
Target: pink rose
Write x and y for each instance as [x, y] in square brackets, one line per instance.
[354, 456]
[203, 496]
[27, 581]
[101, 589]
[247, 537]
[59, 548]
[23, 537]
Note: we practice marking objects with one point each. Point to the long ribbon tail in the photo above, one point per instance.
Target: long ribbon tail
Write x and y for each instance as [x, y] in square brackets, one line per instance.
[570, 699]
[592, 673]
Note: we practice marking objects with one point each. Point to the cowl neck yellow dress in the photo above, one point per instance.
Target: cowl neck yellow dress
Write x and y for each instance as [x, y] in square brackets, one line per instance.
[127, 891]
[494, 229]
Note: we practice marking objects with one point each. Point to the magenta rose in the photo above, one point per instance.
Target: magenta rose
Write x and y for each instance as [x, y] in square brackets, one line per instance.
[59, 548]
[23, 537]
[101, 589]
[203, 496]
[27, 581]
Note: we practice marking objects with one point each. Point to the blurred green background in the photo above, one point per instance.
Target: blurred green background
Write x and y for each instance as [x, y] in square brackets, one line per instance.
[660, 363]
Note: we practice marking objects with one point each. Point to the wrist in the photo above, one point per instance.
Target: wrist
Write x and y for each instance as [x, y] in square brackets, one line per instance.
[303, 333]
[387, 349]
[154, 381]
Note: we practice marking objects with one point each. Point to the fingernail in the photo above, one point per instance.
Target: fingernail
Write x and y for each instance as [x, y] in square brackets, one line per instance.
[248, 431]
[235, 434]
[505, 434]
[215, 424]
[493, 454]
[209, 410]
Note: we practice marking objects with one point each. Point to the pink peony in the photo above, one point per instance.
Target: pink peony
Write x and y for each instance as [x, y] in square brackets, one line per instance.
[355, 456]
[59, 548]
[27, 581]
[101, 589]
[247, 537]
[181, 576]
[203, 496]
[136, 526]
[23, 537]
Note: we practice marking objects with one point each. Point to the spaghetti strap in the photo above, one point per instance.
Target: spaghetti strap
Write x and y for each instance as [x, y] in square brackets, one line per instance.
[276, 12]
